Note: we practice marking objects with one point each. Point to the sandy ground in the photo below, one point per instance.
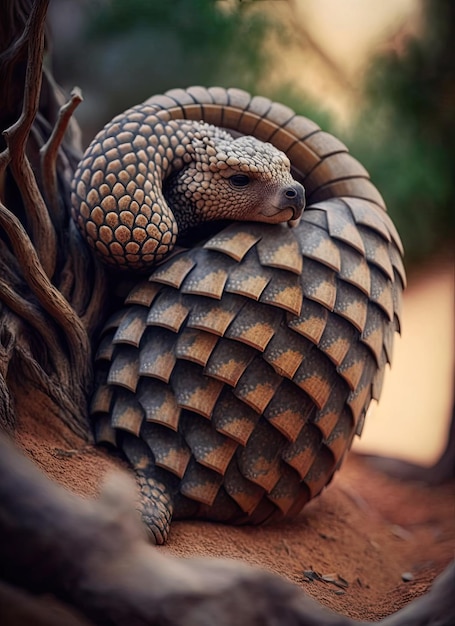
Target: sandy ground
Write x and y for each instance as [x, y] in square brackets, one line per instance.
[366, 532]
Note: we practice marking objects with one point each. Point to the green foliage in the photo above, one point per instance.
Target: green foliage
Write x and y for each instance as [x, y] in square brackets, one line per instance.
[144, 47]
[406, 134]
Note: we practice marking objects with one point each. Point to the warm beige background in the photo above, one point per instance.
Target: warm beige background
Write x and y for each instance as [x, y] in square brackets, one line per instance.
[346, 33]
[412, 417]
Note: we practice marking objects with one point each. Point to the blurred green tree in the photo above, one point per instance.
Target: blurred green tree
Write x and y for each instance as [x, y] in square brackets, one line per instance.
[128, 51]
[405, 135]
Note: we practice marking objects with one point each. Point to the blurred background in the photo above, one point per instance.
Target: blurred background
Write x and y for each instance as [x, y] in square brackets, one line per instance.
[379, 75]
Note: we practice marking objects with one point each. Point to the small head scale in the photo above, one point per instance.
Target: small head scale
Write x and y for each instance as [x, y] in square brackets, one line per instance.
[146, 178]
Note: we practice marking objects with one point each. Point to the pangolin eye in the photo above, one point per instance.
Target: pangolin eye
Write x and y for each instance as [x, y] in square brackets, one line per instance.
[239, 180]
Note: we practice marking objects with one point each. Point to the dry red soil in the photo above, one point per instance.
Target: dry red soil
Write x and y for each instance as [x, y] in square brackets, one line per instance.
[378, 542]
[365, 528]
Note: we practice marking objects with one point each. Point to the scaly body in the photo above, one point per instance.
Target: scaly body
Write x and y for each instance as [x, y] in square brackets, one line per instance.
[235, 378]
[141, 164]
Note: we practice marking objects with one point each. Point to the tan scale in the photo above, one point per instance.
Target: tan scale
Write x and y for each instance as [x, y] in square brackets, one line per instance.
[352, 304]
[105, 349]
[195, 345]
[342, 226]
[234, 244]
[234, 418]
[337, 338]
[208, 315]
[301, 453]
[285, 351]
[127, 414]
[209, 447]
[200, 483]
[285, 291]
[132, 327]
[246, 493]
[316, 377]
[319, 283]
[311, 322]
[373, 333]
[288, 492]
[382, 293]
[289, 410]
[170, 449]
[228, 361]
[143, 293]
[326, 418]
[159, 403]
[321, 466]
[255, 325]
[243, 363]
[157, 355]
[353, 364]
[320, 247]
[283, 254]
[354, 269]
[168, 313]
[249, 279]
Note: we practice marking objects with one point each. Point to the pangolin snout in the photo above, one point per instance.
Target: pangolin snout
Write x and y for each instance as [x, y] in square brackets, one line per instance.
[293, 197]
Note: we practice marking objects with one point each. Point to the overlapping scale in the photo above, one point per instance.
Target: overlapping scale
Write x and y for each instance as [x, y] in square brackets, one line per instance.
[209, 447]
[208, 277]
[249, 279]
[156, 354]
[233, 417]
[234, 243]
[245, 366]
[212, 316]
[228, 361]
[282, 252]
[159, 403]
[174, 272]
[195, 345]
[265, 391]
[255, 325]
[127, 413]
[170, 449]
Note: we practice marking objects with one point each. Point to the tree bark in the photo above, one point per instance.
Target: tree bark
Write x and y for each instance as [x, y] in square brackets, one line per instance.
[51, 292]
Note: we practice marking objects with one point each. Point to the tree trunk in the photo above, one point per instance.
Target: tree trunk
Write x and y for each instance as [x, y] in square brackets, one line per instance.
[51, 292]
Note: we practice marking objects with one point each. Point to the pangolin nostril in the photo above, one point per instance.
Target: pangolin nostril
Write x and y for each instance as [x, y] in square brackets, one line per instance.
[294, 195]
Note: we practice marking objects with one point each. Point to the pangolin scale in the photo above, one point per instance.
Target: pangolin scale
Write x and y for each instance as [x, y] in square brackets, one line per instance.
[235, 377]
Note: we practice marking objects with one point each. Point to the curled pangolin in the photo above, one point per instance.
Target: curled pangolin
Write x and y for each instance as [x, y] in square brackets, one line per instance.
[143, 163]
[235, 378]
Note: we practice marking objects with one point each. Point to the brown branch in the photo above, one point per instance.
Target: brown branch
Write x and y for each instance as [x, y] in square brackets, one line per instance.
[70, 406]
[7, 412]
[33, 315]
[49, 152]
[97, 303]
[49, 297]
[80, 264]
[43, 233]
